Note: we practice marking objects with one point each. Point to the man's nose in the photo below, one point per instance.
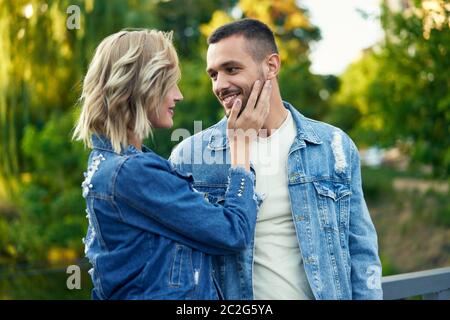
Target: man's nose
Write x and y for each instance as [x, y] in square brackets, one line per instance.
[221, 83]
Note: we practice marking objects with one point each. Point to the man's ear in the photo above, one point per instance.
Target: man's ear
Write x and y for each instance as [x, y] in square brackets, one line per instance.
[273, 64]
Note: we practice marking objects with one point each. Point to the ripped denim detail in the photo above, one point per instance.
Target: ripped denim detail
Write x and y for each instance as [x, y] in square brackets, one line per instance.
[86, 185]
[90, 235]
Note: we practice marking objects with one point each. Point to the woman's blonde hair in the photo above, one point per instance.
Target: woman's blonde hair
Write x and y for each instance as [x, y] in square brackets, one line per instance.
[127, 80]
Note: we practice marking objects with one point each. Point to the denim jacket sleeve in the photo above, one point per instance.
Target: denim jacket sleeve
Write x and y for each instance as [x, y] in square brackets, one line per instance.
[166, 198]
[363, 246]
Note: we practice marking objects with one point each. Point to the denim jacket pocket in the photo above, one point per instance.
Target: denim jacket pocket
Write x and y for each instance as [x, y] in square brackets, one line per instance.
[333, 199]
[181, 270]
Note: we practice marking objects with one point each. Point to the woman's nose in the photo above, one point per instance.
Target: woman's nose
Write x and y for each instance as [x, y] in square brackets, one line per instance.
[179, 95]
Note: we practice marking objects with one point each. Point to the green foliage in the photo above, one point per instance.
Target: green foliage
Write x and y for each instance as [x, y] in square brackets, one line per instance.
[51, 208]
[416, 86]
[399, 91]
[352, 108]
[4, 235]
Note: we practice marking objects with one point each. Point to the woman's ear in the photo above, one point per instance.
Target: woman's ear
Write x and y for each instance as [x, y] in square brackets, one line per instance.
[273, 65]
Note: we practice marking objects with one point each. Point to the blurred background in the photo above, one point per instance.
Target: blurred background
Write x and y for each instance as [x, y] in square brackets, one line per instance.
[378, 69]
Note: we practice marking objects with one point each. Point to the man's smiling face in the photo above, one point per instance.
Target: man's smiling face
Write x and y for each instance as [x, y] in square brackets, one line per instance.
[232, 70]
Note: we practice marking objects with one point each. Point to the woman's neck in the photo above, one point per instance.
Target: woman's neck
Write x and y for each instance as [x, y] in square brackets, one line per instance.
[133, 140]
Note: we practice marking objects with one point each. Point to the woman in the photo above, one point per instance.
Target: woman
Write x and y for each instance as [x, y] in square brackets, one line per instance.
[150, 234]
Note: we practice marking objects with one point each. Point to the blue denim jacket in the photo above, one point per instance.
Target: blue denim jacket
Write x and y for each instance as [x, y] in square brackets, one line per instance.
[151, 235]
[337, 238]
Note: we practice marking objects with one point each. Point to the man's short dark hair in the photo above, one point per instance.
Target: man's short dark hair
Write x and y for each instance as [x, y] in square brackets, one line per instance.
[262, 42]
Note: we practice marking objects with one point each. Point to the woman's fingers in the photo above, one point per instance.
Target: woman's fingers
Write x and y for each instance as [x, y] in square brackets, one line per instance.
[251, 102]
[262, 107]
[234, 114]
[255, 116]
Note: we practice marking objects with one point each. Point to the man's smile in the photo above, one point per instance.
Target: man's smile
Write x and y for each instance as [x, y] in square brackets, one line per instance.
[229, 98]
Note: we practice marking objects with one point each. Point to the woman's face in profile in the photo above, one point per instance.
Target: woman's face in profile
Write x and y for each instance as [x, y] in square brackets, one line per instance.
[167, 110]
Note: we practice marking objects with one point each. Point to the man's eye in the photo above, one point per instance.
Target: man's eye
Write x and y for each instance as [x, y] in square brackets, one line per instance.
[232, 70]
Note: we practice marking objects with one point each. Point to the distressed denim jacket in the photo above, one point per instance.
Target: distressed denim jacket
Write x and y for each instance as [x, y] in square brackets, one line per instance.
[336, 236]
[151, 234]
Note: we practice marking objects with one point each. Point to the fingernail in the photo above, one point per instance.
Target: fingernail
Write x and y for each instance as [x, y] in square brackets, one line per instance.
[238, 103]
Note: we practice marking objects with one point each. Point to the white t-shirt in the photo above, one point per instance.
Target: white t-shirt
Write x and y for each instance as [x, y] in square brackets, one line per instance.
[278, 271]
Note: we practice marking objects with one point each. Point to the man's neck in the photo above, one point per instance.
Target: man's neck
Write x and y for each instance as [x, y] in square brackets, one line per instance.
[276, 117]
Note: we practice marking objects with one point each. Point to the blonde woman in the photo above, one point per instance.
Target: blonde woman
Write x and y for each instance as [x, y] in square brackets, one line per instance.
[150, 234]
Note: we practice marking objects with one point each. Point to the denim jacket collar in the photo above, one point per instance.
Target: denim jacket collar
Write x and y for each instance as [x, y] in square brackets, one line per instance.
[305, 132]
[100, 142]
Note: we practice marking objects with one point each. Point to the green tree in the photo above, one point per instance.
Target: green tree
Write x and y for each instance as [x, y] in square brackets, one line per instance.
[50, 204]
[353, 107]
[398, 92]
[412, 84]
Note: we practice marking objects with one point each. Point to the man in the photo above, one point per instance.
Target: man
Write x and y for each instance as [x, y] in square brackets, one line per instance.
[314, 237]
